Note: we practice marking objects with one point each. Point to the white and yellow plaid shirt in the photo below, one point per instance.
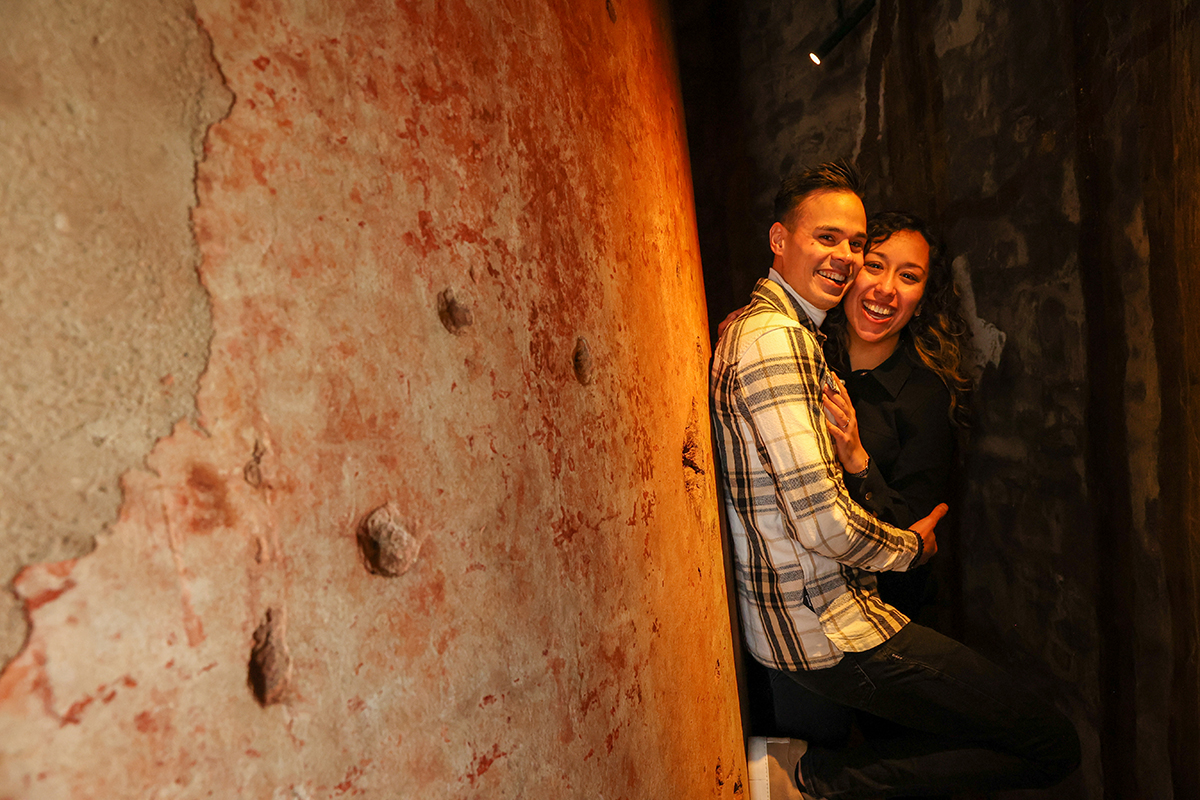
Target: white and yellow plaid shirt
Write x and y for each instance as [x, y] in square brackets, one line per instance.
[804, 549]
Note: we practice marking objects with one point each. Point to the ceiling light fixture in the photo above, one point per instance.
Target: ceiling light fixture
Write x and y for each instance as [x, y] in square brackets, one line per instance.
[847, 24]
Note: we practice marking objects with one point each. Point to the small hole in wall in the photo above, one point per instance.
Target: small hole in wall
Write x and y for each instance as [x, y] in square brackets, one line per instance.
[252, 472]
[454, 315]
[583, 362]
[270, 661]
[693, 454]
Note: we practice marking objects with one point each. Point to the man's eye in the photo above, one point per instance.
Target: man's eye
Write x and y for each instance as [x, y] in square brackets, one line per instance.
[856, 246]
[826, 237]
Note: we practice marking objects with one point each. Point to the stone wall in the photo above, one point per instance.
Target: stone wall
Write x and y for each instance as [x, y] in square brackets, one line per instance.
[1160, 112]
[431, 508]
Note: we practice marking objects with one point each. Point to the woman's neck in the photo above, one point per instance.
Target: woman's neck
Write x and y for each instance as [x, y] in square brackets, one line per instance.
[869, 355]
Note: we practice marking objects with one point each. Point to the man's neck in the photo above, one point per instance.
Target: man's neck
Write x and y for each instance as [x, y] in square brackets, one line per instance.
[814, 313]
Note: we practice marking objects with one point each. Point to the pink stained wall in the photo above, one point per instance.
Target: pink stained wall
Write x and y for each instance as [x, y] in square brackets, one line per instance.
[563, 628]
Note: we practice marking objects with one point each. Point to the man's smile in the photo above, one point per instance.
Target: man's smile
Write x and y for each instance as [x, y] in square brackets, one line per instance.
[833, 276]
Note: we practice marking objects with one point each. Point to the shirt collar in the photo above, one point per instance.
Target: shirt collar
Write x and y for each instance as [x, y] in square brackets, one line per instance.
[894, 371]
[814, 313]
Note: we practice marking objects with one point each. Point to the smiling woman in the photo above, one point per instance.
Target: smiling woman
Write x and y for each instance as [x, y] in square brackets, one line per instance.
[898, 342]
[885, 296]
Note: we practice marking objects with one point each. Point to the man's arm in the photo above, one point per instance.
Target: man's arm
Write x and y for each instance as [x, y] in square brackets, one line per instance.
[780, 401]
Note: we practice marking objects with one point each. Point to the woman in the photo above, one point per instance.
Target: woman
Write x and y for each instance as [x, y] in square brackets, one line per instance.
[897, 342]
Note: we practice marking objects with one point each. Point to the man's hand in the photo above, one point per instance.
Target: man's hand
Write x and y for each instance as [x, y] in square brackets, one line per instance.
[924, 529]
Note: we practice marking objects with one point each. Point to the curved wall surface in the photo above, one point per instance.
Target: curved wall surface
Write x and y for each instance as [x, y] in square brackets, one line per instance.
[443, 523]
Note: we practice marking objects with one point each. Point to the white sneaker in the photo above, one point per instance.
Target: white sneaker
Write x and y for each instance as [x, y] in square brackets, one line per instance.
[772, 764]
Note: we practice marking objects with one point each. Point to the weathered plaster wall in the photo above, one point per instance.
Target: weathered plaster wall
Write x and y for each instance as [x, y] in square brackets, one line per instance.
[105, 325]
[452, 267]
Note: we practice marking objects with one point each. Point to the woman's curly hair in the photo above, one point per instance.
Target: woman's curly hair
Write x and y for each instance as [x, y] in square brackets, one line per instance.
[938, 334]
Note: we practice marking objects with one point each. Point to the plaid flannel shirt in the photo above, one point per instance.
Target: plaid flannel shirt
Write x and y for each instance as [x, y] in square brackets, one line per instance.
[804, 550]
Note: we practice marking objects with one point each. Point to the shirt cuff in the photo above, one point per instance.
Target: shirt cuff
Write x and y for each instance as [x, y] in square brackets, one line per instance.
[866, 489]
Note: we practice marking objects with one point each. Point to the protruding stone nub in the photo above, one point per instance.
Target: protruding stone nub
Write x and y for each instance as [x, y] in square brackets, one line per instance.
[453, 314]
[270, 661]
[387, 546]
[584, 366]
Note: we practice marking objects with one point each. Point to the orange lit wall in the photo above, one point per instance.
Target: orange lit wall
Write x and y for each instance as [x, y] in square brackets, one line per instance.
[443, 524]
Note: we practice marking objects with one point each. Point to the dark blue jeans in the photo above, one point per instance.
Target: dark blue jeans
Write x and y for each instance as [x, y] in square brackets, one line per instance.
[801, 714]
[974, 728]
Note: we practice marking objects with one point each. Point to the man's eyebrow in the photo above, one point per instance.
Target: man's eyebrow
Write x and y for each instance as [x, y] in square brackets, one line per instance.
[839, 229]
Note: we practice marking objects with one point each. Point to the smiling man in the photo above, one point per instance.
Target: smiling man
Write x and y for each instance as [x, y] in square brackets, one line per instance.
[819, 244]
[805, 551]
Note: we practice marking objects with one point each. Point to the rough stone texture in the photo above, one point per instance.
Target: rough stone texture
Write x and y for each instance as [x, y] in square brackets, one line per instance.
[564, 631]
[1057, 144]
[387, 546]
[1026, 537]
[104, 323]
[798, 114]
[1163, 52]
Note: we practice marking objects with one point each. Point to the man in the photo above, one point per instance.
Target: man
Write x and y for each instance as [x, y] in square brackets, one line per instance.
[805, 551]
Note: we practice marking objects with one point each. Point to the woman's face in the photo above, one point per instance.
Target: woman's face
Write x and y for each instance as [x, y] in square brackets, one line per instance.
[889, 287]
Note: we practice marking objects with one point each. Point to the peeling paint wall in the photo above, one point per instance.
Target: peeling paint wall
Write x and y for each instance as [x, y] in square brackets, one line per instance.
[443, 522]
[104, 323]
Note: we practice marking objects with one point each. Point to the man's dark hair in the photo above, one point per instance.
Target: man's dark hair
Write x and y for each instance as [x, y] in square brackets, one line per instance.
[832, 176]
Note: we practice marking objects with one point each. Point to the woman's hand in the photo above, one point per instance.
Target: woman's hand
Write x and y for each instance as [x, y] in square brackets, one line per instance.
[728, 319]
[842, 424]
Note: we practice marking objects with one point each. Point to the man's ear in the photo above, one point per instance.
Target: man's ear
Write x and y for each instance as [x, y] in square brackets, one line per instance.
[777, 234]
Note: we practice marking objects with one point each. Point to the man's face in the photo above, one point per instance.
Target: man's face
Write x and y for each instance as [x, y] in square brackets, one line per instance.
[822, 250]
